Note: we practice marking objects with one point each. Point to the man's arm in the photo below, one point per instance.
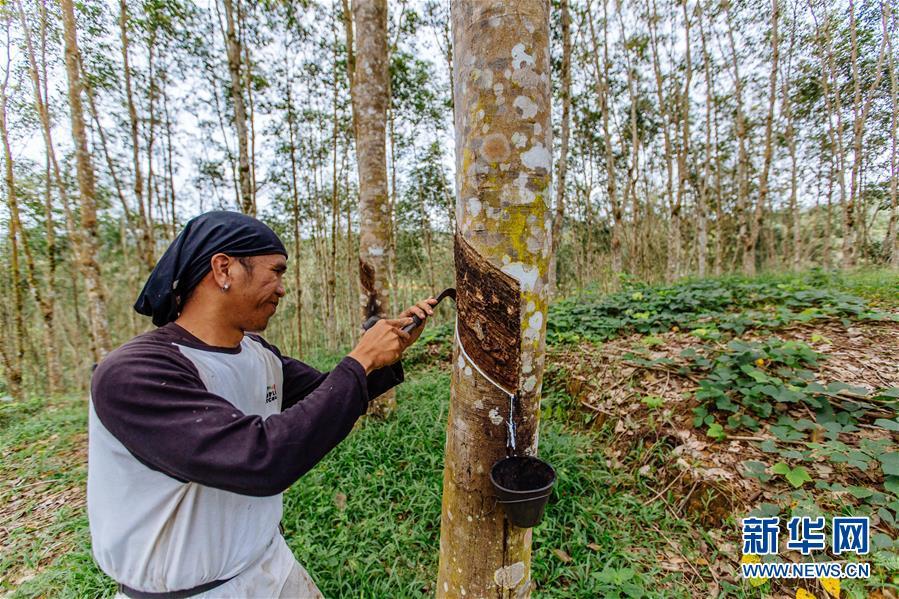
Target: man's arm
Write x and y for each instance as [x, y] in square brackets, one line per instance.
[157, 406]
[300, 379]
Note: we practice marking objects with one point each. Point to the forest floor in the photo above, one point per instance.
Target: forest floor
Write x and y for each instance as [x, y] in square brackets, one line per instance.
[669, 413]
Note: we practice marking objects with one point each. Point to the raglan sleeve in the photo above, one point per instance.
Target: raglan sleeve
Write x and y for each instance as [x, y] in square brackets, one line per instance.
[156, 405]
[300, 379]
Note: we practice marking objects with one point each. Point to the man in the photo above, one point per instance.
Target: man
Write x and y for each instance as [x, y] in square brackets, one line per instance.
[197, 427]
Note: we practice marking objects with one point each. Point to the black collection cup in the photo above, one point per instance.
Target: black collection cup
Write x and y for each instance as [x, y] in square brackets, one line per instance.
[523, 485]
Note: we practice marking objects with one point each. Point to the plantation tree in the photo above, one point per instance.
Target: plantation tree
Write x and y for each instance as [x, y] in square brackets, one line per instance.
[892, 238]
[370, 98]
[753, 229]
[235, 69]
[501, 76]
[146, 230]
[14, 357]
[565, 77]
[88, 247]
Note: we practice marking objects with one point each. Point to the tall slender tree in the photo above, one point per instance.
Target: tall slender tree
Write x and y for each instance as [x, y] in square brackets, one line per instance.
[235, 68]
[565, 80]
[370, 99]
[88, 248]
[502, 252]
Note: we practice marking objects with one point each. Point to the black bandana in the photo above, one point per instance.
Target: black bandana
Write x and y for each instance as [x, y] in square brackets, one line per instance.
[186, 261]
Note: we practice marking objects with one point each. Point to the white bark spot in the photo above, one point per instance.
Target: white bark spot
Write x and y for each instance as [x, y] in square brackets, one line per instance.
[495, 418]
[508, 577]
[507, 73]
[375, 251]
[525, 275]
[467, 370]
[530, 383]
[531, 306]
[536, 320]
[537, 157]
[525, 195]
[538, 129]
[519, 140]
[461, 362]
[478, 167]
[498, 89]
[527, 107]
[474, 206]
[534, 245]
[479, 404]
[485, 79]
[446, 587]
[520, 57]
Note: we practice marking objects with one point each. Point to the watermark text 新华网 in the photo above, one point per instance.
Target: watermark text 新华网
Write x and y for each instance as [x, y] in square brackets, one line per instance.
[806, 535]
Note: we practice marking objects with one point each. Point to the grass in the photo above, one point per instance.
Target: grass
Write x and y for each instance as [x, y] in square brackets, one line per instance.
[381, 537]
[365, 522]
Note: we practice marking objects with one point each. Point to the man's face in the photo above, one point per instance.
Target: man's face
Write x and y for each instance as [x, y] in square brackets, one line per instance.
[257, 287]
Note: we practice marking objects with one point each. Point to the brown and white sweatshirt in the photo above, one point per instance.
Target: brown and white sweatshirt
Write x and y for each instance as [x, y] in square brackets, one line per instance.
[191, 446]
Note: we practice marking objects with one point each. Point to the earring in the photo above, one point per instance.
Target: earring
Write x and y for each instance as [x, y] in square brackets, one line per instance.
[225, 287]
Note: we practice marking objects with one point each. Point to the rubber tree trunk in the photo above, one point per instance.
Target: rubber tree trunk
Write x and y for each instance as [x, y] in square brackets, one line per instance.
[565, 92]
[88, 248]
[233, 44]
[370, 89]
[501, 76]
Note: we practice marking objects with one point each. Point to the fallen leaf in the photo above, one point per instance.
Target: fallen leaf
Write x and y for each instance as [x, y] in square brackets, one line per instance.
[562, 555]
[831, 585]
[340, 501]
[753, 559]
[593, 546]
[803, 594]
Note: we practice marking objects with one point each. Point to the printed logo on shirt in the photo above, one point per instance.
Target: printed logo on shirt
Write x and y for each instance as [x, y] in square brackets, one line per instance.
[271, 393]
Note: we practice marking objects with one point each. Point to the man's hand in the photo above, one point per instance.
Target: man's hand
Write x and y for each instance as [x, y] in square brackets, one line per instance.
[382, 344]
[422, 309]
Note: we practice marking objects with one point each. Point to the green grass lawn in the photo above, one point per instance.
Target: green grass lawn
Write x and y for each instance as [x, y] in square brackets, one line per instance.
[365, 522]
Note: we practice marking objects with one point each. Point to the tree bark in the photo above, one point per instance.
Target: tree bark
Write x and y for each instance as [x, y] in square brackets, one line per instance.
[503, 251]
[88, 250]
[370, 99]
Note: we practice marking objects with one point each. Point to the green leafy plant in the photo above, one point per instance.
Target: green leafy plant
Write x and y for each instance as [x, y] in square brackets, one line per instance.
[795, 476]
